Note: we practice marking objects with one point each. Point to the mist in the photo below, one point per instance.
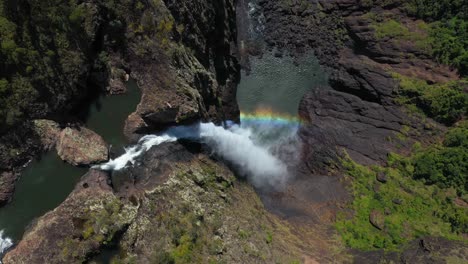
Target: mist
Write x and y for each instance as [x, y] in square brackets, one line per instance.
[254, 151]
[5, 244]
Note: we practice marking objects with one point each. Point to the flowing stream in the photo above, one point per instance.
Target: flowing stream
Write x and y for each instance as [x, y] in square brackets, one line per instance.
[268, 98]
[47, 180]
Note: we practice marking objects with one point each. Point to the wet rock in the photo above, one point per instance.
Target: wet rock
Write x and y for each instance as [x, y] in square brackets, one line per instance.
[81, 146]
[381, 177]
[89, 217]
[7, 186]
[376, 218]
[48, 131]
[117, 81]
[134, 125]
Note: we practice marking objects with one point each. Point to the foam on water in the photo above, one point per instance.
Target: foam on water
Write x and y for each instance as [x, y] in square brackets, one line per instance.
[240, 146]
[133, 152]
[5, 244]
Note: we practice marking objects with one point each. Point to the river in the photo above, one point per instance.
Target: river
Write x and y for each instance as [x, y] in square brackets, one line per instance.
[47, 180]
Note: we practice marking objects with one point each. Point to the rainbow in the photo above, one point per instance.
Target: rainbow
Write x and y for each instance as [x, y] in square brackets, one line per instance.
[268, 116]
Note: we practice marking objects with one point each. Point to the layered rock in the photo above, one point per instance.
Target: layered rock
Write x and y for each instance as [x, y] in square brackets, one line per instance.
[81, 146]
[90, 216]
[177, 206]
[181, 54]
[191, 73]
[358, 113]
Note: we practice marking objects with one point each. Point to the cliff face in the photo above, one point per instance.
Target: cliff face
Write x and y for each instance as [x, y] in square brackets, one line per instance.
[359, 112]
[176, 207]
[179, 52]
[375, 52]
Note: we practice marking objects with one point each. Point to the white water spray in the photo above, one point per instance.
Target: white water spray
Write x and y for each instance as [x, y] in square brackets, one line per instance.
[5, 244]
[235, 144]
[133, 152]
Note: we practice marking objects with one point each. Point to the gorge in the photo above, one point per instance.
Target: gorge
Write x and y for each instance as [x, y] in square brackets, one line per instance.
[254, 132]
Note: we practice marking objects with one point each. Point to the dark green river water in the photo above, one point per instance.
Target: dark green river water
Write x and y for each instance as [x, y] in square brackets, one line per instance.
[274, 83]
[47, 181]
[278, 83]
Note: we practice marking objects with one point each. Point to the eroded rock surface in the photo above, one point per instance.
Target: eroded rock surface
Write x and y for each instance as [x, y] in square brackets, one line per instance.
[90, 216]
[178, 205]
[48, 131]
[193, 76]
[81, 146]
[7, 186]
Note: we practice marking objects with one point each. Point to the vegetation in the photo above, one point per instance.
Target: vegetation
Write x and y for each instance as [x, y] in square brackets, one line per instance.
[449, 41]
[406, 208]
[34, 67]
[445, 165]
[444, 35]
[446, 103]
[437, 9]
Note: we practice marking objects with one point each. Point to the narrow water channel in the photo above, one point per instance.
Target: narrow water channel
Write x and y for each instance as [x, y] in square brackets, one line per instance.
[47, 180]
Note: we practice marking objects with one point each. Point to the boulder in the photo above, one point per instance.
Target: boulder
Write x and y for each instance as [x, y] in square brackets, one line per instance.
[7, 186]
[81, 146]
[381, 177]
[377, 219]
[117, 81]
[48, 132]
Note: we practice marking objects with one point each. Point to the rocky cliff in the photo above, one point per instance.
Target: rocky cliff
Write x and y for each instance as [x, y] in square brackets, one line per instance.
[375, 52]
[182, 206]
[178, 206]
[180, 53]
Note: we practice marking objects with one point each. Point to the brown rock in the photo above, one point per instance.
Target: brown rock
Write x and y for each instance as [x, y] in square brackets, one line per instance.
[116, 86]
[81, 147]
[48, 131]
[376, 218]
[91, 215]
[7, 186]
[117, 81]
[133, 125]
[382, 177]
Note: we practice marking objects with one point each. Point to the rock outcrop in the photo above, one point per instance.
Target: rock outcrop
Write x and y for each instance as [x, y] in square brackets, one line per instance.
[193, 74]
[176, 206]
[358, 113]
[7, 186]
[90, 216]
[48, 131]
[181, 53]
[81, 146]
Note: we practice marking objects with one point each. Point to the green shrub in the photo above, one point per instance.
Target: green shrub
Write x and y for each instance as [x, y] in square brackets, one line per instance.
[446, 103]
[449, 40]
[422, 209]
[445, 165]
[437, 9]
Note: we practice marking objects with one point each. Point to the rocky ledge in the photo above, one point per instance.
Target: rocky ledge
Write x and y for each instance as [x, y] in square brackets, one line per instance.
[358, 112]
[181, 53]
[176, 206]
